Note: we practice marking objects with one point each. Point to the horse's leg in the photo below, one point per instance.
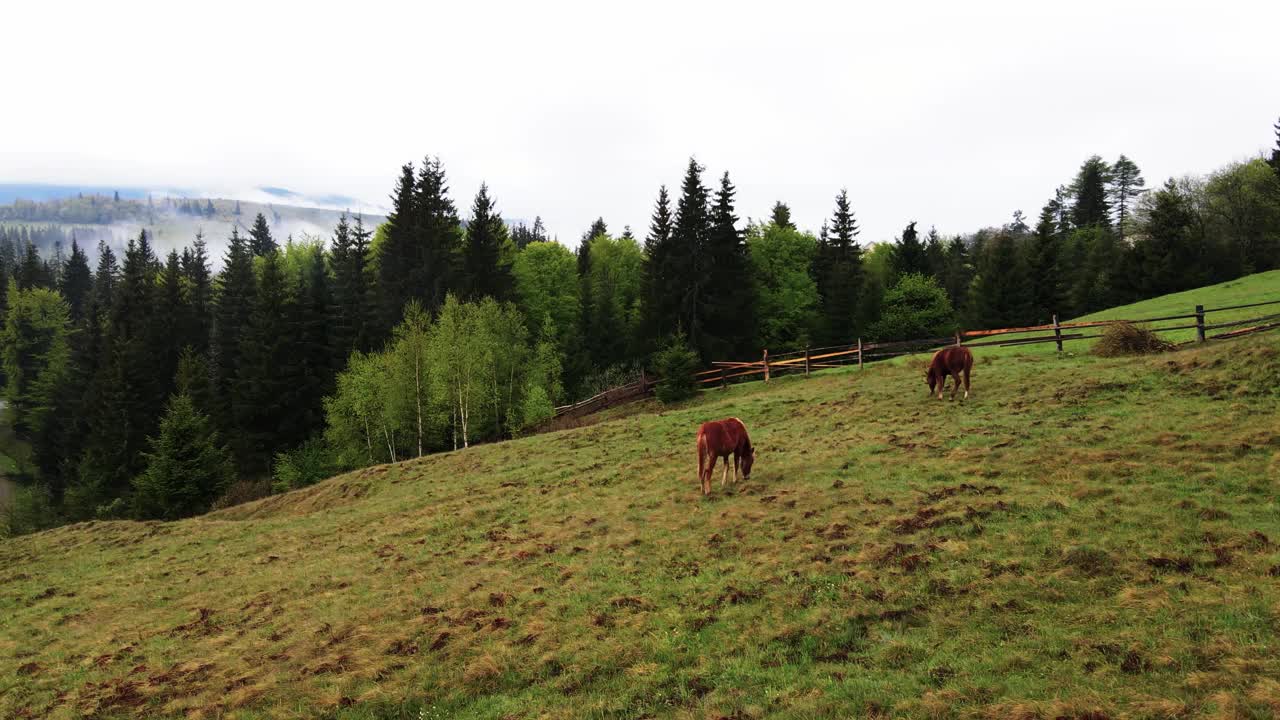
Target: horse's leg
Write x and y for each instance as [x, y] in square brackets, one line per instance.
[724, 476]
[736, 465]
[966, 381]
[955, 384]
[706, 479]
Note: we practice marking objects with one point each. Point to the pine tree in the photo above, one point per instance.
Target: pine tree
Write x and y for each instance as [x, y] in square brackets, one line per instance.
[440, 239]
[399, 256]
[1089, 192]
[838, 271]
[1168, 257]
[1275, 154]
[77, 282]
[655, 300]
[195, 269]
[484, 271]
[208, 208]
[958, 274]
[935, 253]
[782, 215]
[237, 288]
[267, 362]
[351, 311]
[1126, 184]
[174, 313]
[104, 279]
[1002, 295]
[187, 467]
[728, 318]
[909, 256]
[685, 266]
[32, 272]
[1049, 288]
[260, 241]
[195, 380]
[236, 212]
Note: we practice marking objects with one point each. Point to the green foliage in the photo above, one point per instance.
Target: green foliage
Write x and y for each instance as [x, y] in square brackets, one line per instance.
[547, 290]
[909, 254]
[916, 307]
[34, 352]
[675, 365]
[307, 464]
[187, 468]
[786, 295]
[30, 509]
[613, 282]
[1092, 206]
[261, 243]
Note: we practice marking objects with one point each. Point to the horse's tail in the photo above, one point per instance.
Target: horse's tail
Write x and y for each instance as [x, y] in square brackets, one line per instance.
[702, 445]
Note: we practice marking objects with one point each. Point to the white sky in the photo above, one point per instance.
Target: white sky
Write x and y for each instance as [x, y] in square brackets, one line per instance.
[949, 113]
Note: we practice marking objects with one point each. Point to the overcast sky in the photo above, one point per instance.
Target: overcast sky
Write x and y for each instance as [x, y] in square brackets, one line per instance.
[950, 113]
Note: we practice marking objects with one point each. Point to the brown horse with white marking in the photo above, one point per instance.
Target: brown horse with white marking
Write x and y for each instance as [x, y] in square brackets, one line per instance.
[720, 439]
[951, 361]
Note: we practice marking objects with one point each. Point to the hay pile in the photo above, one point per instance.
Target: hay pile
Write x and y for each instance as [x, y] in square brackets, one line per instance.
[1125, 338]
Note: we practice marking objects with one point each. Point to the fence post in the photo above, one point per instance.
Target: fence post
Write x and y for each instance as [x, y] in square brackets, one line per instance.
[1057, 332]
[859, 353]
[766, 364]
[724, 379]
[1199, 323]
[957, 337]
[644, 384]
[806, 362]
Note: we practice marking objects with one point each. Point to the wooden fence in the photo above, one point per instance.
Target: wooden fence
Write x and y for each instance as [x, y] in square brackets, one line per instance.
[858, 353]
[642, 387]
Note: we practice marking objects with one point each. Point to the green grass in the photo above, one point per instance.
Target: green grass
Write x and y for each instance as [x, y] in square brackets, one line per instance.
[1255, 288]
[1084, 538]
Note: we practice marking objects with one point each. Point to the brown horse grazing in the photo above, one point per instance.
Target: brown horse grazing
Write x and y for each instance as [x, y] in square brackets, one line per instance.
[950, 361]
[720, 439]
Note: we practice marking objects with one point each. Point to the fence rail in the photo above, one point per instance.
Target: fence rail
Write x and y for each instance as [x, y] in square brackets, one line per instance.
[858, 353]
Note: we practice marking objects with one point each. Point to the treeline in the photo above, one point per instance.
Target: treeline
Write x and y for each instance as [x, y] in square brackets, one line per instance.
[91, 209]
[148, 384]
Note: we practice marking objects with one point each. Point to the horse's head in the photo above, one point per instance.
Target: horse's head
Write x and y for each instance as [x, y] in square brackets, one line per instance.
[746, 464]
[930, 378]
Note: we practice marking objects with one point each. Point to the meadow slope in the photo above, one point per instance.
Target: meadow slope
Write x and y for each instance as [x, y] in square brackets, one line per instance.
[1084, 538]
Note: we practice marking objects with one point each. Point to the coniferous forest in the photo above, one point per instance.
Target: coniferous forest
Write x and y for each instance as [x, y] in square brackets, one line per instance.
[150, 386]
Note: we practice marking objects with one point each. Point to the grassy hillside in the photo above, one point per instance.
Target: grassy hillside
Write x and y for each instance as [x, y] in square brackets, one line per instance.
[1255, 288]
[1084, 538]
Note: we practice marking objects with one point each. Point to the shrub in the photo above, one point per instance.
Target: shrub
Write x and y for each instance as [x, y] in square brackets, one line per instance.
[675, 365]
[1125, 338]
[243, 491]
[30, 510]
[307, 464]
[916, 307]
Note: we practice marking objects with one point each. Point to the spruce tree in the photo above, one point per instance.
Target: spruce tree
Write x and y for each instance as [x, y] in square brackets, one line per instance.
[935, 253]
[598, 228]
[838, 272]
[728, 317]
[1126, 184]
[1002, 295]
[174, 314]
[1049, 287]
[439, 244]
[655, 300]
[685, 266]
[187, 467]
[399, 256]
[194, 379]
[262, 388]
[1089, 192]
[198, 280]
[350, 311]
[958, 274]
[909, 256]
[260, 241]
[1275, 154]
[485, 273]
[77, 282]
[782, 215]
[237, 288]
